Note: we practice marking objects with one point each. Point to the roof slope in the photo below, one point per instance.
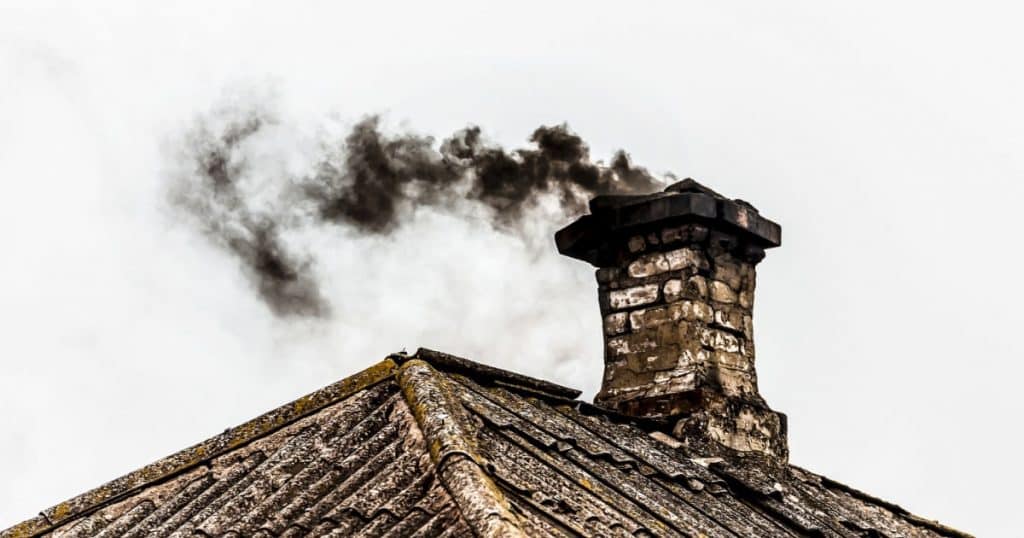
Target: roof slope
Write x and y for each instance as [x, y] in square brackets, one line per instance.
[434, 445]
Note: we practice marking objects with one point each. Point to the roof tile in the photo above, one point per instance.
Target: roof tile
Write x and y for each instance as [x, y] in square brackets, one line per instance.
[436, 445]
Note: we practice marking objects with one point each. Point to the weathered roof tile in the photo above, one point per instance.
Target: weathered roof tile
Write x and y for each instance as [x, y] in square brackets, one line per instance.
[436, 445]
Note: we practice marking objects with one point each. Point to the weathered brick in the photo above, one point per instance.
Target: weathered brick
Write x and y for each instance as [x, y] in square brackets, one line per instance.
[728, 271]
[721, 292]
[617, 346]
[612, 367]
[684, 382]
[735, 361]
[749, 275]
[628, 380]
[747, 349]
[685, 258]
[697, 286]
[631, 297]
[649, 317]
[702, 312]
[649, 265]
[693, 360]
[694, 287]
[691, 311]
[656, 388]
[729, 318]
[735, 383]
[615, 323]
[716, 339]
[642, 341]
[673, 289]
[654, 360]
[636, 244]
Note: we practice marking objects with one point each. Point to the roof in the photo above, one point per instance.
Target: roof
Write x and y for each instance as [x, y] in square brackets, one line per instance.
[435, 445]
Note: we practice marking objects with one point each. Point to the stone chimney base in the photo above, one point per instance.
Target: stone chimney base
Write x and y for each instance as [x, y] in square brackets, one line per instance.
[719, 426]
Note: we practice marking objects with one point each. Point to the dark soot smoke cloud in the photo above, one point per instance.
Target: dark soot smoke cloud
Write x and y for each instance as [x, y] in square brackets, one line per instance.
[371, 182]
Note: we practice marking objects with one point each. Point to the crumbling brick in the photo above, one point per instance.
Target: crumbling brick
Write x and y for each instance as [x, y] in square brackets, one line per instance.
[635, 296]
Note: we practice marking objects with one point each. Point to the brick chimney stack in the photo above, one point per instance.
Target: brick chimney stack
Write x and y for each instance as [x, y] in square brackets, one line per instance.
[676, 277]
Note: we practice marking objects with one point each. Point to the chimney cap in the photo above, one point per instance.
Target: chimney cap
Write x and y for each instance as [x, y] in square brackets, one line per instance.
[617, 215]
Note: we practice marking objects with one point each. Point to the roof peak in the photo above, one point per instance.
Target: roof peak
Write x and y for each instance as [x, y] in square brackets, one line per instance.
[446, 361]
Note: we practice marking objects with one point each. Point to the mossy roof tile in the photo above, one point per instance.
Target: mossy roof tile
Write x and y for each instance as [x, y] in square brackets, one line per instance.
[432, 444]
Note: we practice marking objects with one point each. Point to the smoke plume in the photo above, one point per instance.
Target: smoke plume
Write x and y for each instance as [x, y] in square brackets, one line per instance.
[368, 182]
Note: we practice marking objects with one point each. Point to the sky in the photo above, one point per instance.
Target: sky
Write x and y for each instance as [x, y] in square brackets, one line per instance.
[883, 136]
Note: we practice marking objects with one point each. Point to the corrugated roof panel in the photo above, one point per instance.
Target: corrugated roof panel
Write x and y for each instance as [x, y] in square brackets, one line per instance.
[416, 448]
[357, 467]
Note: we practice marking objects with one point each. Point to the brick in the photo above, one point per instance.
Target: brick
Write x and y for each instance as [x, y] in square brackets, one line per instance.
[631, 297]
[749, 275]
[636, 244]
[694, 360]
[728, 271]
[729, 318]
[746, 299]
[697, 286]
[618, 346]
[627, 380]
[721, 292]
[655, 361]
[650, 317]
[685, 258]
[642, 342]
[735, 383]
[691, 311]
[649, 265]
[673, 290]
[747, 349]
[684, 382]
[702, 312]
[734, 361]
[612, 368]
[719, 340]
[615, 323]
[694, 287]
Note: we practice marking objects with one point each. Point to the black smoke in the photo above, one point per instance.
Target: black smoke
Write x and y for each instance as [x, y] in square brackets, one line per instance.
[369, 182]
[211, 192]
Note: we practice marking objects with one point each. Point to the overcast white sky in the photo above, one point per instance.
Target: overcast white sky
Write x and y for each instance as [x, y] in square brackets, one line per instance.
[884, 137]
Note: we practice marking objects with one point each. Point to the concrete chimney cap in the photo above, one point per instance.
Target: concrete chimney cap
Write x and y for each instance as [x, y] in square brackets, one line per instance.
[615, 215]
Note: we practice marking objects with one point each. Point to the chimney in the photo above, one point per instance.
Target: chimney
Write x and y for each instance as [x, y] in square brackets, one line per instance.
[676, 276]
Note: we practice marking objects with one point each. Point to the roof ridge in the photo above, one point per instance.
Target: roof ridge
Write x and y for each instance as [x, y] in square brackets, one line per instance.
[200, 453]
[447, 361]
[459, 466]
